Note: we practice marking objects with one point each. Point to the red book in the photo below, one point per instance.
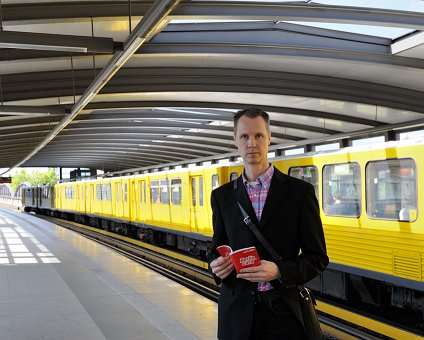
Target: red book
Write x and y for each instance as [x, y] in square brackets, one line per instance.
[242, 258]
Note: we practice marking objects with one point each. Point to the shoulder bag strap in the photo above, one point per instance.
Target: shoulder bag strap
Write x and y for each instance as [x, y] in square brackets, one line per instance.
[256, 232]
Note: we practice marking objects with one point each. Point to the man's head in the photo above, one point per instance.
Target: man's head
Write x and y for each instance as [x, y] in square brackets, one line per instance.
[252, 136]
[251, 112]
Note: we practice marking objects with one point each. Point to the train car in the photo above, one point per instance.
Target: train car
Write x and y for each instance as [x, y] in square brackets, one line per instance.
[173, 207]
[30, 197]
[370, 204]
[371, 199]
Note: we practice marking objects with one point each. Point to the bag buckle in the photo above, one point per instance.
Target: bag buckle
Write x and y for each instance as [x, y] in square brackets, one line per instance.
[246, 220]
[304, 293]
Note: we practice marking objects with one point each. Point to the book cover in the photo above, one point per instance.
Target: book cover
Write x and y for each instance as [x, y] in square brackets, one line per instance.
[242, 258]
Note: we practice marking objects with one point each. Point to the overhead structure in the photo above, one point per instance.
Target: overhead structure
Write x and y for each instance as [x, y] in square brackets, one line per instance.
[127, 84]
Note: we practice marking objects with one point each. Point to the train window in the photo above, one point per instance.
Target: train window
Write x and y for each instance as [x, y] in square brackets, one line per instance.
[215, 181]
[201, 191]
[125, 192]
[99, 192]
[193, 191]
[106, 192]
[308, 174]
[233, 176]
[69, 192]
[164, 191]
[144, 191]
[118, 192]
[154, 191]
[391, 189]
[176, 188]
[141, 185]
[341, 190]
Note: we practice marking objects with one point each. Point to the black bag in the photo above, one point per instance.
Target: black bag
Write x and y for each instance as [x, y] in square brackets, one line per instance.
[306, 299]
[310, 317]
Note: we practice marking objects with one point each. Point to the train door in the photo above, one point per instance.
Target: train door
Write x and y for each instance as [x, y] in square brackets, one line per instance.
[92, 198]
[133, 200]
[88, 198]
[77, 200]
[118, 202]
[126, 198]
[58, 197]
[145, 213]
[83, 201]
[198, 209]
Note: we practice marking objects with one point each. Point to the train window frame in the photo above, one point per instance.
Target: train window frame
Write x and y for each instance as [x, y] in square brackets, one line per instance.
[395, 205]
[201, 191]
[145, 191]
[215, 181]
[125, 192]
[154, 191]
[98, 192]
[164, 191]
[118, 192]
[338, 202]
[106, 192]
[316, 175]
[234, 175]
[193, 192]
[176, 183]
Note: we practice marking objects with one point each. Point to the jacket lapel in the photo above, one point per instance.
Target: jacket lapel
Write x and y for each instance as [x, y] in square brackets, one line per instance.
[276, 193]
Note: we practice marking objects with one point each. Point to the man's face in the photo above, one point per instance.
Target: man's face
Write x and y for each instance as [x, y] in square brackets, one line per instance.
[252, 139]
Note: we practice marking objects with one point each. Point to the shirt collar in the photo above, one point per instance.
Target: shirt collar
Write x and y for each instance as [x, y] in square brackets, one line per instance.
[264, 179]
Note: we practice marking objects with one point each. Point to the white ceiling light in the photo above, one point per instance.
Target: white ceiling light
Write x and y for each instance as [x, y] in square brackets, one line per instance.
[21, 46]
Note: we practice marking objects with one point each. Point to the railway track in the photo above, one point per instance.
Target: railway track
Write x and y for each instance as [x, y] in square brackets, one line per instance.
[336, 321]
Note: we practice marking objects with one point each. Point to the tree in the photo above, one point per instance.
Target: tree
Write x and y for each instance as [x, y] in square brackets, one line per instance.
[41, 178]
[18, 179]
[35, 178]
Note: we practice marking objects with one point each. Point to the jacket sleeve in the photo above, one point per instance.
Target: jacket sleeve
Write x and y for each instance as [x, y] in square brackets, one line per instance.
[313, 258]
[219, 233]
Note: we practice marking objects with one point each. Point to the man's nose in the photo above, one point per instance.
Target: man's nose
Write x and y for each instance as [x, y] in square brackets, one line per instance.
[251, 142]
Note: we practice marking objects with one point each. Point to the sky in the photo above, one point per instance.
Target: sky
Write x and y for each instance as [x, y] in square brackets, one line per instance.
[385, 32]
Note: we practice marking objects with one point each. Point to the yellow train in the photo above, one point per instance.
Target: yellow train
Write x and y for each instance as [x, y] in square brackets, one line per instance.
[371, 200]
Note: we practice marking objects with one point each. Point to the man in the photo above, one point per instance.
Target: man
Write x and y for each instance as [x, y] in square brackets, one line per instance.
[263, 302]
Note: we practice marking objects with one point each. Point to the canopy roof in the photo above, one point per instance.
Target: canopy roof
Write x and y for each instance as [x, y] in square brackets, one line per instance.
[118, 85]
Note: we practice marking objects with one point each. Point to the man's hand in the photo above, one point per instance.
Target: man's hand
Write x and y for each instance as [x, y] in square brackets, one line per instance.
[266, 271]
[222, 267]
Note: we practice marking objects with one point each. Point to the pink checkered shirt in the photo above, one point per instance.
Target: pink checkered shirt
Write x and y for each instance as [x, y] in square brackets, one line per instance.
[257, 194]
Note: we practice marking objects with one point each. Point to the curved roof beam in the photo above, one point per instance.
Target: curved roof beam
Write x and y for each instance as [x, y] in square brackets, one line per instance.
[145, 30]
[238, 10]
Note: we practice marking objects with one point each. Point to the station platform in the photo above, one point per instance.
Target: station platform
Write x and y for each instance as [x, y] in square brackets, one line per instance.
[56, 284]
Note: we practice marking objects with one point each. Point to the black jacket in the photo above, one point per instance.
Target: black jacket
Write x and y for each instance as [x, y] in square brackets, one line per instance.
[290, 222]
